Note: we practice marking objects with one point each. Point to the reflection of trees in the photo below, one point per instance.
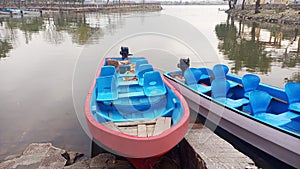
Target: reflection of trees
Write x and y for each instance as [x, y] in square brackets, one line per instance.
[50, 32]
[294, 78]
[290, 60]
[82, 31]
[76, 26]
[290, 35]
[244, 52]
[27, 25]
[81, 27]
[5, 47]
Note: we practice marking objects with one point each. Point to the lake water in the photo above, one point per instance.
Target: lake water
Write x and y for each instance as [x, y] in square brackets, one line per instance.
[47, 64]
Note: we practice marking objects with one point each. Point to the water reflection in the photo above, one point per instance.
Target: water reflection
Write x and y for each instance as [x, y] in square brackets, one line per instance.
[36, 94]
[5, 41]
[5, 47]
[83, 28]
[255, 47]
[244, 51]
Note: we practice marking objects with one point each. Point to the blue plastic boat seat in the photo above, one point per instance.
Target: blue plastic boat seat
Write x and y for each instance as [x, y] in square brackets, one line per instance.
[272, 119]
[107, 71]
[192, 76]
[153, 84]
[106, 88]
[200, 88]
[292, 90]
[219, 88]
[259, 101]
[250, 83]
[137, 65]
[143, 68]
[220, 71]
[131, 94]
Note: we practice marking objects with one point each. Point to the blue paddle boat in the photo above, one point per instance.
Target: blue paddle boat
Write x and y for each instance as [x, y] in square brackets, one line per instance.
[265, 116]
[132, 111]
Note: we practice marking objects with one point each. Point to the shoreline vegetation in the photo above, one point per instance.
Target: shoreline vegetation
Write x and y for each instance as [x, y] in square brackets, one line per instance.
[60, 7]
[277, 14]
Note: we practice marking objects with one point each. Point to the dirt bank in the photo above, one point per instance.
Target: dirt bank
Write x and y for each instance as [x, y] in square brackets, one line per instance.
[278, 15]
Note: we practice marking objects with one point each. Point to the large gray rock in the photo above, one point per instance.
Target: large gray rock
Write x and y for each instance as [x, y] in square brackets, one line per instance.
[46, 156]
[37, 156]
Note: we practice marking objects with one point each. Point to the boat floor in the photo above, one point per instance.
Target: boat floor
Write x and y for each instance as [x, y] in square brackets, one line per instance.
[146, 128]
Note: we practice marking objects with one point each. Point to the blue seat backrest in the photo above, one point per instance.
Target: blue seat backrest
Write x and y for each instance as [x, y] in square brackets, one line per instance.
[192, 76]
[292, 90]
[259, 101]
[219, 88]
[106, 88]
[250, 82]
[220, 71]
[153, 84]
[138, 63]
[143, 68]
[207, 71]
[107, 71]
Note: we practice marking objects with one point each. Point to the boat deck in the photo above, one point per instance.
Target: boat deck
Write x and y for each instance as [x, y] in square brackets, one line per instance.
[146, 128]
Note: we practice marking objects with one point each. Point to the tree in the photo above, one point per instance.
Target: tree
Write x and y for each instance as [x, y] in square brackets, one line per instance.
[257, 5]
[234, 3]
[243, 5]
[232, 6]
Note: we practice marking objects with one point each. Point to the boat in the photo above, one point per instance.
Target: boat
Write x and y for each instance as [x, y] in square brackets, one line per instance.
[262, 115]
[132, 111]
[10, 11]
[21, 11]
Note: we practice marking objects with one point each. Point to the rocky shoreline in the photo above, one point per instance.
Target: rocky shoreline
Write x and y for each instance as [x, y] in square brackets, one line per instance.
[284, 15]
[122, 7]
[46, 156]
[190, 153]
